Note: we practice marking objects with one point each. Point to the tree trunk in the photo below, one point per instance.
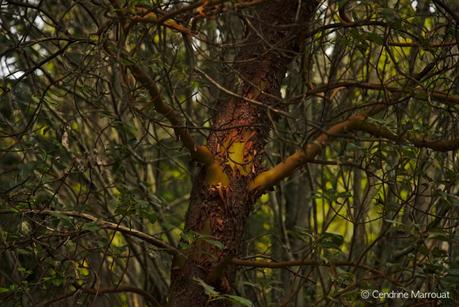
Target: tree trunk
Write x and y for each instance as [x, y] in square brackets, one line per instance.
[221, 199]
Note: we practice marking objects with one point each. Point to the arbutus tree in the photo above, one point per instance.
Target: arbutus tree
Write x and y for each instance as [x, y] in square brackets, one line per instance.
[339, 115]
[230, 181]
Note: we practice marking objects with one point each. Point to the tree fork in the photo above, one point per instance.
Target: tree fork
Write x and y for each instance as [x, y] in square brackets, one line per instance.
[221, 199]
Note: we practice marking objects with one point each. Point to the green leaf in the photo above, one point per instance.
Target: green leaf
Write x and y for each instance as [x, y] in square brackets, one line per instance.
[391, 16]
[209, 290]
[144, 209]
[375, 38]
[345, 194]
[91, 227]
[61, 216]
[213, 241]
[331, 240]
[239, 300]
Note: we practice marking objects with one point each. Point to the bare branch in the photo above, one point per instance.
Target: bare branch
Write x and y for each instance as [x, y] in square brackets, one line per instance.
[104, 224]
[227, 91]
[416, 92]
[414, 139]
[306, 262]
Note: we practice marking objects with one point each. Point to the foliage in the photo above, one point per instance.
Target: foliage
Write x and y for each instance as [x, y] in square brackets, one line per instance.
[85, 150]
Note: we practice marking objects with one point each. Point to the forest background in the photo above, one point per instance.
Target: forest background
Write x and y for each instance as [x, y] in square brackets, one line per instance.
[245, 152]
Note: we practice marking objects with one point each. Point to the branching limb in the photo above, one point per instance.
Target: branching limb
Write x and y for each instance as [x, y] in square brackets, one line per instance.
[284, 169]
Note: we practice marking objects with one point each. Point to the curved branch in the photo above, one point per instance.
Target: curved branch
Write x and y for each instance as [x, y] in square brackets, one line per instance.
[296, 262]
[102, 291]
[447, 9]
[419, 93]
[231, 93]
[306, 262]
[198, 152]
[284, 169]
[147, 16]
[104, 224]
[211, 7]
[342, 13]
[414, 139]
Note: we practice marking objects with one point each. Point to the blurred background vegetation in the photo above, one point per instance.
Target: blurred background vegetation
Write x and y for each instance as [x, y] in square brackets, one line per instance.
[82, 151]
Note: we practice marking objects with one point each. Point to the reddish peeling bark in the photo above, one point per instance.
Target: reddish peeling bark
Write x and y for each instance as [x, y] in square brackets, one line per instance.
[221, 200]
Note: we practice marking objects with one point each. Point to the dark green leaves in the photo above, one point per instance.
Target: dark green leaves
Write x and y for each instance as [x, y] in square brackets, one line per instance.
[331, 240]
